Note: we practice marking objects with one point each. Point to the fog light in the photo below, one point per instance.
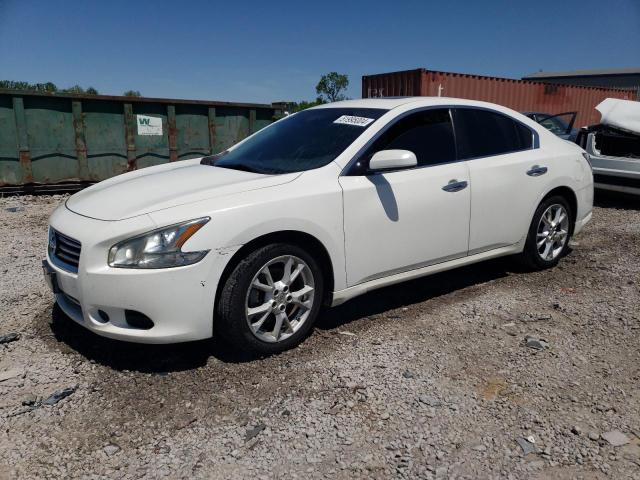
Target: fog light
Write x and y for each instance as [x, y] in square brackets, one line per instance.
[138, 320]
[104, 316]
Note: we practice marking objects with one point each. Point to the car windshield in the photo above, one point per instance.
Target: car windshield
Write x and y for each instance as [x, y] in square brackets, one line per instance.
[304, 141]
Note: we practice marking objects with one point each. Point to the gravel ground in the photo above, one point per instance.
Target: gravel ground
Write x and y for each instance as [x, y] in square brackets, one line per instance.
[429, 379]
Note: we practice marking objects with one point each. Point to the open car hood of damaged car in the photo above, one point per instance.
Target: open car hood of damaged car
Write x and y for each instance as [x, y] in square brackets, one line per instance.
[622, 114]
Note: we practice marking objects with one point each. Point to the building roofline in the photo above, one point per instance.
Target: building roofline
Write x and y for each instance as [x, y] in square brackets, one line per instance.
[584, 73]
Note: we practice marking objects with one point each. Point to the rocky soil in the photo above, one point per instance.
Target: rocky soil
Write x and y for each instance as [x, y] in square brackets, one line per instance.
[485, 372]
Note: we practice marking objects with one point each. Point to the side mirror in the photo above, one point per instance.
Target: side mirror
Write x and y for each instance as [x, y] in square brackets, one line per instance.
[392, 160]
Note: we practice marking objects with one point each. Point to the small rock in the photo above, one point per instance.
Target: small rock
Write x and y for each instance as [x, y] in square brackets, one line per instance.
[253, 432]
[14, 209]
[58, 395]
[347, 333]
[479, 448]
[526, 445]
[408, 374]
[594, 436]
[111, 449]
[536, 343]
[29, 400]
[615, 438]
[9, 337]
[441, 472]
[576, 430]
[12, 373]
[385, 416]
[430, 401]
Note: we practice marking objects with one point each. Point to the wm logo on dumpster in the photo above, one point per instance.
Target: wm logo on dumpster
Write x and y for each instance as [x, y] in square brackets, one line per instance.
[149, 125]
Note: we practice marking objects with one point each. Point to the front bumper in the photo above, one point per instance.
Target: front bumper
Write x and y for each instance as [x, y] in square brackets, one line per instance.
[581, 223]
[179, 301]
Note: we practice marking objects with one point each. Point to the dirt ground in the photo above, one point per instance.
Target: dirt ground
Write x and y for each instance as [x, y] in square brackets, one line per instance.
[428, 379]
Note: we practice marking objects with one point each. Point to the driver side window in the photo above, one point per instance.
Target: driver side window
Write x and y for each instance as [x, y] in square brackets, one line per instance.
[428, 134]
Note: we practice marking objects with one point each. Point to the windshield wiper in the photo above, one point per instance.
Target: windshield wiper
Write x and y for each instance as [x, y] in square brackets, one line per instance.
[212, 159]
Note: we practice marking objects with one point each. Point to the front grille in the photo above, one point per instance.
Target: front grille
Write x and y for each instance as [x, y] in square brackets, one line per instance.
[64, 251]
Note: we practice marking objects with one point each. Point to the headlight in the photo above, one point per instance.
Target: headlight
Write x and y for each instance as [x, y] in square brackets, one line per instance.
[159, 248]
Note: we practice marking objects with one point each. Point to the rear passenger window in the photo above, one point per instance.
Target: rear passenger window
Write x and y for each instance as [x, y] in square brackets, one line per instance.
[481, 133]
[428, 134]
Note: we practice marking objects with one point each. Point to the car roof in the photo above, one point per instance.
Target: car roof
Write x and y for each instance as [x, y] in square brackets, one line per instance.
[389, 103]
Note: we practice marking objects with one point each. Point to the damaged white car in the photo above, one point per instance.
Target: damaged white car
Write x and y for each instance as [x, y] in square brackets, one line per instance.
[613, 146]
[315, 209]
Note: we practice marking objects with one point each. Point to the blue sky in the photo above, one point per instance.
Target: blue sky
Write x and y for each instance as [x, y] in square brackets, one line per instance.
[276, 50]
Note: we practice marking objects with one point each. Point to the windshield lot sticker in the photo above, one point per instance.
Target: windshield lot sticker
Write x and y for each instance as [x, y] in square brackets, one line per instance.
[149, 125]
[351, 120]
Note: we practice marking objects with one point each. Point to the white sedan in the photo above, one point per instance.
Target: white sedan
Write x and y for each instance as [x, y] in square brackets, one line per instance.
[315, 209]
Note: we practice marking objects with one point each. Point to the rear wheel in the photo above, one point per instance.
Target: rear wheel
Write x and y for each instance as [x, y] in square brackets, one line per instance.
[549, 234]
[271, 299]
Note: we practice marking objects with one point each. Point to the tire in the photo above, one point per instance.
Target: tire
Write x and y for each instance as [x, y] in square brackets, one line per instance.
[556, 242]
[271, 301]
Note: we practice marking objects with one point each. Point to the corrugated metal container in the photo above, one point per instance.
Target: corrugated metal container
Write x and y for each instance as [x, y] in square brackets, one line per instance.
[62, 140]
[523, 96]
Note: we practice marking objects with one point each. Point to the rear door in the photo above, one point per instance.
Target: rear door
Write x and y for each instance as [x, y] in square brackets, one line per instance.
[507, 173]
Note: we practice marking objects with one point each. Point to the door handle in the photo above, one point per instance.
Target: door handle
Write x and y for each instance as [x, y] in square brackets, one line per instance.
[536, 171]
[455, 186]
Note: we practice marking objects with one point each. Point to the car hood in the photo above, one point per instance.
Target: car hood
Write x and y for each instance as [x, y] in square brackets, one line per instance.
[623, 114]
[164, 186]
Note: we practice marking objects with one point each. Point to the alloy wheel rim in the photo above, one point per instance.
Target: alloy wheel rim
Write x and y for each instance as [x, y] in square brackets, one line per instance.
[276, 309]
[552, 232]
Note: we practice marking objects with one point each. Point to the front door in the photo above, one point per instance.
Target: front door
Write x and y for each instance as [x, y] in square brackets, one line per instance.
[407, 219]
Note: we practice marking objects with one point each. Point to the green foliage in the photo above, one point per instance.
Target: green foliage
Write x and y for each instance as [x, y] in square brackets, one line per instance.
[304, 104]
[329, 89]
[331, 86]
[74, 89]
[33, 87]
[132, 93]
[46, 87]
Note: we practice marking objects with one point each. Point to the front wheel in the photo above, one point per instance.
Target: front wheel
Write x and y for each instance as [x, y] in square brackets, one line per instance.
[549, 234]
[271, 299]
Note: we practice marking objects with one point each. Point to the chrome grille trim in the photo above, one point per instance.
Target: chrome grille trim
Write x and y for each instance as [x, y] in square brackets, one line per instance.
[64, 251]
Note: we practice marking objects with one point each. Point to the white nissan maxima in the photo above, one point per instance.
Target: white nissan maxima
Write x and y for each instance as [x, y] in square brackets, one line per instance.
[313, 210]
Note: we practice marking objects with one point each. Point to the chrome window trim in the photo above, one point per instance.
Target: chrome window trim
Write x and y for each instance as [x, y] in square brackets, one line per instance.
[346, 171]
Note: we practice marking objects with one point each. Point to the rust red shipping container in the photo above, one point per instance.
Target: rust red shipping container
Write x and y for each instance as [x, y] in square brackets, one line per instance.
[520, 95]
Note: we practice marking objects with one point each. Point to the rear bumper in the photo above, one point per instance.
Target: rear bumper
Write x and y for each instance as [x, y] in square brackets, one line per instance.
[179, 301]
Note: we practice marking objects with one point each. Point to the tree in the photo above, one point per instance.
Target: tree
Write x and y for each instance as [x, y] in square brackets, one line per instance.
[79, 90]
[45, 87]
[331, 86]
[304, 104]
[33, 87]
[132, 93]
[74, 89]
